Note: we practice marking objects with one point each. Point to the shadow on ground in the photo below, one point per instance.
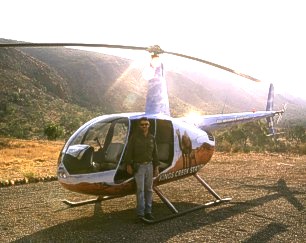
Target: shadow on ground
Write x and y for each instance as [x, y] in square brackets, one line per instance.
[120, 226]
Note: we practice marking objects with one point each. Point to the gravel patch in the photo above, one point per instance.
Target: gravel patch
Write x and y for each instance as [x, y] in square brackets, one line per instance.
[269, 200]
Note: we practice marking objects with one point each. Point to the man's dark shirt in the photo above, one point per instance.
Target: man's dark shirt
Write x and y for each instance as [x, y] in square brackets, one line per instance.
[142, 149]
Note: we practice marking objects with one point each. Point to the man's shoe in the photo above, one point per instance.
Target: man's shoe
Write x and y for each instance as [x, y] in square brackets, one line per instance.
[149, 216]
[139, 219]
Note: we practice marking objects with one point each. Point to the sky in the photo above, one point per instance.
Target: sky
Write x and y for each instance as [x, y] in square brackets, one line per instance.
[264, 39]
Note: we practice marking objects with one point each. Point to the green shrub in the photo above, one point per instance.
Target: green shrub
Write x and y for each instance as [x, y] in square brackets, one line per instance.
[246, 149]
[237, 148]
[53, 131]
[29, 175]
[224, 146]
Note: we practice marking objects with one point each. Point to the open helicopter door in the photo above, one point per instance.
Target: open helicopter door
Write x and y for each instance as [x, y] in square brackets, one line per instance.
[163, 132]
[165, 142]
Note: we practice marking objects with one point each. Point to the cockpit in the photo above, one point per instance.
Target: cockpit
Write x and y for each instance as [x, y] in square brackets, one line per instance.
[97, 147]
[100, 145]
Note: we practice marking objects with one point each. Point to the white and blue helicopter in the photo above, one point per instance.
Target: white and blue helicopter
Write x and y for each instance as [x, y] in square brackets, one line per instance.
[93, 159]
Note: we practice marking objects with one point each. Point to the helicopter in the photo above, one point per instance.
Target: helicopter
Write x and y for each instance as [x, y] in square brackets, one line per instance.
[92, 161]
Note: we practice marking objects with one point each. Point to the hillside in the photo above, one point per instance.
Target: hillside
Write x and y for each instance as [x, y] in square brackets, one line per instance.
[33, 95]
[68, 86]
[96, 79]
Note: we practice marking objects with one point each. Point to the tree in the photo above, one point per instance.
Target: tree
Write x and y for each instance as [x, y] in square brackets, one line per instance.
[53, 131]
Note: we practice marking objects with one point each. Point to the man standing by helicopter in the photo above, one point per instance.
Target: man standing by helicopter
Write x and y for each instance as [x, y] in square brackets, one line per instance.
[142, 161]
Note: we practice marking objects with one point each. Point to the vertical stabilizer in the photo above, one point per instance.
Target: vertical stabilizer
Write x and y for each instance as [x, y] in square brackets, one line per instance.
[270, 100]
[269, 107]
[157, 96]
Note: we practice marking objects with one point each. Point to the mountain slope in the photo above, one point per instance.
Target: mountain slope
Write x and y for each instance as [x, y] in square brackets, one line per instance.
[68, 87]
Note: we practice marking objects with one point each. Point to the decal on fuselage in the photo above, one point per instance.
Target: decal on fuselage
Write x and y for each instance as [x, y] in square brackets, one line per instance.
[179, 173]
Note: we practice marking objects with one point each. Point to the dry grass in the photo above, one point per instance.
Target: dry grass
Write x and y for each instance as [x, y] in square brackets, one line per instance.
[28, 158]
[268, 203]
[38, 158]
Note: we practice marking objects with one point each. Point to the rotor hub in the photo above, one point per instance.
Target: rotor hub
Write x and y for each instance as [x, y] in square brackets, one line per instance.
[155, 50]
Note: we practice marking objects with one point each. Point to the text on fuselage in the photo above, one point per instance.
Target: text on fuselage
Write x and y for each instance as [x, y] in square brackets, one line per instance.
[178, 173]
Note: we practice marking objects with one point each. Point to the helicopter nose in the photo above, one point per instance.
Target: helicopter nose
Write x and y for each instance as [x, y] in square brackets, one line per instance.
[61, 173]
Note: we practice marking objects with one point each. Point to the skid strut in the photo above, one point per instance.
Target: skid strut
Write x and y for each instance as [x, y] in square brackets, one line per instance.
[176, 213]
[212, 192]
[165, 200]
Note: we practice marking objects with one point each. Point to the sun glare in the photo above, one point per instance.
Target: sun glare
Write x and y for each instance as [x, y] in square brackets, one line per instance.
[193, 115]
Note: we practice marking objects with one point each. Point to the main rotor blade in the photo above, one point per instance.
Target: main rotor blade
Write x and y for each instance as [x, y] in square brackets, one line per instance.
[70, 44]
[215, 65]
[155, 49]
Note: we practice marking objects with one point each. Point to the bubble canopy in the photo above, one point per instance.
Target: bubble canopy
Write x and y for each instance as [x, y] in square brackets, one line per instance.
[96, 146]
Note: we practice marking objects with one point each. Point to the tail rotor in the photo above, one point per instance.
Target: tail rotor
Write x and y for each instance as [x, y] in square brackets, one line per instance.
[281, 112]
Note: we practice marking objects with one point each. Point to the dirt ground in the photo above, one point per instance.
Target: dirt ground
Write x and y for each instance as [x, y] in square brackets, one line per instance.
[268, 205]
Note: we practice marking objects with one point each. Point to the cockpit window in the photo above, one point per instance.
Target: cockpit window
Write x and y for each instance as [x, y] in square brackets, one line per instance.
[102, 143]
[96, 135]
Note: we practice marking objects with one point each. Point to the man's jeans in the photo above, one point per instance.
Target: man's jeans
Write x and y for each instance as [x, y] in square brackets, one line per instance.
[144, 182]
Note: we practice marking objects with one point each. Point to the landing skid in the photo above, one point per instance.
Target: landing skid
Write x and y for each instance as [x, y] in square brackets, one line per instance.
[85, 202]
[176, 213]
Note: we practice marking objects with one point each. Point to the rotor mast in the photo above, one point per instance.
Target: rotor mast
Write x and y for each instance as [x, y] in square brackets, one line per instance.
[157, 101]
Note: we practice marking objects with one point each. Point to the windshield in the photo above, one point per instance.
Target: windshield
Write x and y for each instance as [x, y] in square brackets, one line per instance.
[97, 147]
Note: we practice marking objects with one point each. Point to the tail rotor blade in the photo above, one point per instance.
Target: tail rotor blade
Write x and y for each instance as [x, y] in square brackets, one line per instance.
[279, 118]
[280, 115]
